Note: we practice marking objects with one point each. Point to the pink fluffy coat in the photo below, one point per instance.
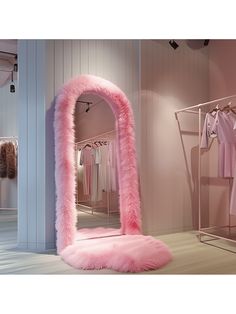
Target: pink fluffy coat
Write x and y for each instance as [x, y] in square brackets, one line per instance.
[64, 154]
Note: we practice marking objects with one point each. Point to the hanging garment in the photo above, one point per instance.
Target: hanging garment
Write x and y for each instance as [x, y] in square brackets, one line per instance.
[222, 125]
[112, 170]
[87, 160]
[209, 129]
[101, 160]
[3, 162]
[11, 160]
[8, 160]
[95, 195]
[77, 159]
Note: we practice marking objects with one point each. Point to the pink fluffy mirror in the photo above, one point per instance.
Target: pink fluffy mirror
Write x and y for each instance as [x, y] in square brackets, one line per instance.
[129, 200]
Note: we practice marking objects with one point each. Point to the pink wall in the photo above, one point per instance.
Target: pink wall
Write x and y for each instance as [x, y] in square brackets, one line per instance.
[170, 80]
[222, 68]
[97, 120]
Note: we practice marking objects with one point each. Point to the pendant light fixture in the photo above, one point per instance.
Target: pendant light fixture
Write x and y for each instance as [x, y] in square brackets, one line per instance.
[12, 86]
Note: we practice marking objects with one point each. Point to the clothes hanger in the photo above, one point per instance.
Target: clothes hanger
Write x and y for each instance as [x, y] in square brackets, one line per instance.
[87, 145]
[227, 108]
[230, 108]
[215, 109]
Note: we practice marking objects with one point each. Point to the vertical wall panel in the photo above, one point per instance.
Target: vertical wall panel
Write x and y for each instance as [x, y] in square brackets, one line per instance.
[84, 57]
[41, 210]
[23, 145]
[58, 62]
[32, 142]
[75, 62]
[67, 60]
[49, 147]
[31, 218]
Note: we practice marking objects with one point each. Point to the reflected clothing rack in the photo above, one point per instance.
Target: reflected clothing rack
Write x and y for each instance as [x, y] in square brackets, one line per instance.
[16, 140]
[103, 137]
[214, 232]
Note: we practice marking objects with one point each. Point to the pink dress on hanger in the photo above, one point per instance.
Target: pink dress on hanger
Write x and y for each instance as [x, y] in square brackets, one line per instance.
[87, 160]
[223, 125]
[112, 170]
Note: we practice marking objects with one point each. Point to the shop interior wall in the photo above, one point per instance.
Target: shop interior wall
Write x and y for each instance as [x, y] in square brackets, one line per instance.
[171, 80]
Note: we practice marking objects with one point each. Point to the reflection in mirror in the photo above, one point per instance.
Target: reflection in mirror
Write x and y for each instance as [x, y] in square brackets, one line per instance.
[97, 200]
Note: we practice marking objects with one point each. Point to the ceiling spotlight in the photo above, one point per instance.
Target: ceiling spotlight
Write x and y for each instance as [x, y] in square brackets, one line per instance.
[88, 108]
[206, 42]
[173, 44]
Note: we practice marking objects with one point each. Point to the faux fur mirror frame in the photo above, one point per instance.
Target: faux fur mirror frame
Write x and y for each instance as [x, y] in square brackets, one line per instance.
[129, 200]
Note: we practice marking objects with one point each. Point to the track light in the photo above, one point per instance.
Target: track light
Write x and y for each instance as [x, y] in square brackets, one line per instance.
[12, 86]
[88, 103]
[173, 44]
[206, 42]
[88, 108]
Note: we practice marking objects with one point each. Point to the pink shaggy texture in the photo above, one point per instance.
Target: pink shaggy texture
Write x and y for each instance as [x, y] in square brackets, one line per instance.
[64, 155]
[125, 253]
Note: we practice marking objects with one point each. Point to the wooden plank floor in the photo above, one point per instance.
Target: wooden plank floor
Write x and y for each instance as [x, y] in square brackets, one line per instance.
[189, 255]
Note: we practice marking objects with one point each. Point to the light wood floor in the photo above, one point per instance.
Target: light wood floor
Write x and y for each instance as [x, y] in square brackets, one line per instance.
[99, 218]
[189, 255]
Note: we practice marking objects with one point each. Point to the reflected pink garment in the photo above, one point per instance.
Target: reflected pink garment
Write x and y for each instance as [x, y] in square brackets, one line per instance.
[87, 160]
[112, 170]
[223, 125]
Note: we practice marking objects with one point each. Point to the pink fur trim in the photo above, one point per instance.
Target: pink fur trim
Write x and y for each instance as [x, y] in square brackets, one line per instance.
[64, 155]
[125, 253]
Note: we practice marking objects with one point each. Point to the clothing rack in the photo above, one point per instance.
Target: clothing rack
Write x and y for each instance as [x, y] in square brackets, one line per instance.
[208, 231]
[106, 136]
[8, 138]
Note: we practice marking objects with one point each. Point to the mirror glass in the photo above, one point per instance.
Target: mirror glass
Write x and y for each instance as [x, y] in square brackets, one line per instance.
[97, 190]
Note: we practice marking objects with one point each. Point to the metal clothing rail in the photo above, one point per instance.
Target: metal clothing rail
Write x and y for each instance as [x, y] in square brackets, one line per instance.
[103, 136]
[8, 138]
[212, 232]
[205, 104]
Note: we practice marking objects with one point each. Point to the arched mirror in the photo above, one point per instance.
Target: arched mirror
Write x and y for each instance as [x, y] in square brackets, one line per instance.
[77, 100]
[97, 184]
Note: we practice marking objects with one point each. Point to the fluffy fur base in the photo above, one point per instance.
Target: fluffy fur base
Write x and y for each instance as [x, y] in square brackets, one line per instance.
[125, 253]
[64, 155]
